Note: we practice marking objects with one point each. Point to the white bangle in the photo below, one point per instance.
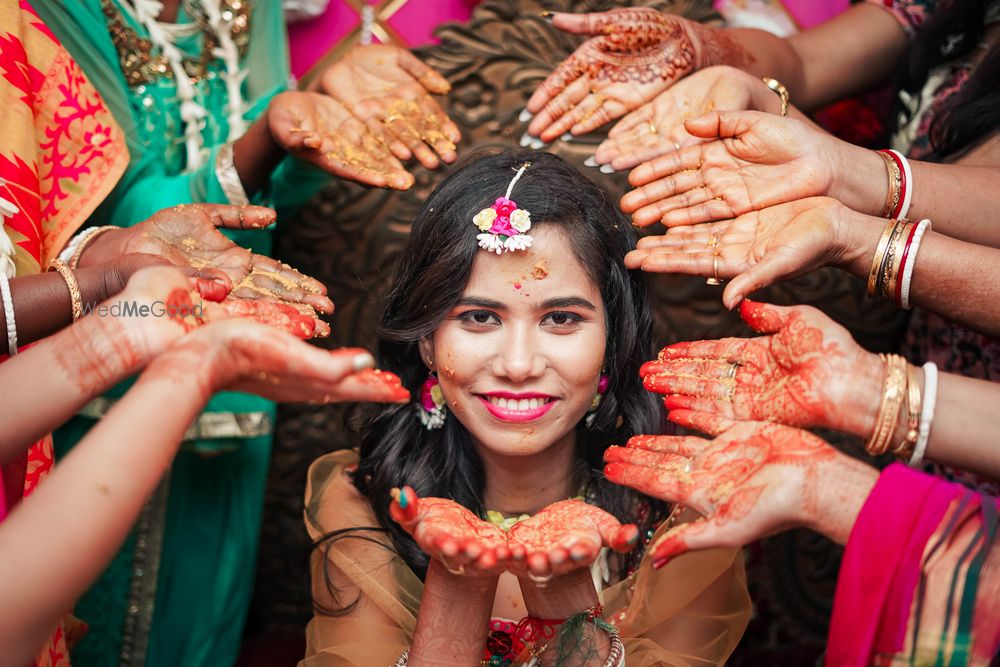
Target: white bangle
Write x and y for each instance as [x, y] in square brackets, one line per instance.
[67, 253]
[228, 177]
[926, 413]
[907, 184]
[8, 311]
[911, 259]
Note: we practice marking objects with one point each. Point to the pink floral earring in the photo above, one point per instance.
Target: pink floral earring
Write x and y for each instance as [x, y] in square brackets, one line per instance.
[602, 388]
[431, 407]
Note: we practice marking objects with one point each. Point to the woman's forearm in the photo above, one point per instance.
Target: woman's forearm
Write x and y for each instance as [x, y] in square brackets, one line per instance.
[56, 377]
[560, 598]
[57, 542]
[256, 155]
[966, 421]
[453, 620]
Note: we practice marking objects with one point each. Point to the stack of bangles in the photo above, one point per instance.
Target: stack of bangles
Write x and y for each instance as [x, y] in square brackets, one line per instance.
[569, 633]
[895, 256]
[902, 394]
[897, 202]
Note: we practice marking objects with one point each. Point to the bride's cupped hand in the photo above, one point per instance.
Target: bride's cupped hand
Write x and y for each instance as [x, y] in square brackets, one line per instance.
[758, 248]
[451, 534]
[566, 536]
[751, 160]
[320, 130]
[751, 480]
[657, 127]
[389, 90]
[632, 55]
[806, 371]
[188, 237]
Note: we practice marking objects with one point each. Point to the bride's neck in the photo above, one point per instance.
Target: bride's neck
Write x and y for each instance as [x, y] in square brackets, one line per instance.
[525, 484]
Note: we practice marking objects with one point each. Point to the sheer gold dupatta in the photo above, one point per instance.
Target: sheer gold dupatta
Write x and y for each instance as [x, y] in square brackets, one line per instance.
[691, 612]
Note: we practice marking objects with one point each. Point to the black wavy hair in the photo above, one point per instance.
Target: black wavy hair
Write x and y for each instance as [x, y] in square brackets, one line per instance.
[972, 115]
[433, 272]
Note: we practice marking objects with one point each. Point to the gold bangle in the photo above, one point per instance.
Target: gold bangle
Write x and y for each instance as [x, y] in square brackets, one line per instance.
[74, 261]
[893, 259]
[74, 287]
[895, 184]
[779, 89]
[877, 260]
[893, 393]
[914, 400]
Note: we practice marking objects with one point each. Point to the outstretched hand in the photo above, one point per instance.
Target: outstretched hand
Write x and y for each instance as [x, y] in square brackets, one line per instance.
[753, 479]
[389, 89]
[450, 533]
[756, 249]
[657, 127]
[632, 55]
[566, 536]
[806, 372]
[318, 129]
[188, 236]
[752, 160]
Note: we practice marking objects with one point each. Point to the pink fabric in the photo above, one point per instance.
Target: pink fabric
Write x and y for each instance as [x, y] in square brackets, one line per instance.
[881, 564]
[810, 13]
[414, 22]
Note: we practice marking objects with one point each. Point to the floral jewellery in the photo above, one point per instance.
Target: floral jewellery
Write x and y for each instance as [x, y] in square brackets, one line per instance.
[431, 407]
[602, 388]
[504, 225]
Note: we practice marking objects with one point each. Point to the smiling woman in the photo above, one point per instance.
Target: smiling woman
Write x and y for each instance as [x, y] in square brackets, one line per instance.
[487, 531]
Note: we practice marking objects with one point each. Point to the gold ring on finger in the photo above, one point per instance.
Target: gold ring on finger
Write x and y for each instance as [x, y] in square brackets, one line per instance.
[714, 280]
[460, 570]
[730, 392]
[540, 581]
[731, 373]
[652, 128]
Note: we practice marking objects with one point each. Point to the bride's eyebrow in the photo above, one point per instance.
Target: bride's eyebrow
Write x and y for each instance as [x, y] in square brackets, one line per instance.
[568, 302]
[480, 302]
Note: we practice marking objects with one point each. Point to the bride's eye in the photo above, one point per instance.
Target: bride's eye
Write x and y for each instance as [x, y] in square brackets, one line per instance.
[480, 318]
[562, 320]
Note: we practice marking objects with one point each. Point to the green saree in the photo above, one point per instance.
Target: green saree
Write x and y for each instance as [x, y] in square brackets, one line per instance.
[178, 591]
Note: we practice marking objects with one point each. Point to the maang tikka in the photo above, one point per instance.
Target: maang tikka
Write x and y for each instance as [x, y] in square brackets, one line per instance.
[504, 225]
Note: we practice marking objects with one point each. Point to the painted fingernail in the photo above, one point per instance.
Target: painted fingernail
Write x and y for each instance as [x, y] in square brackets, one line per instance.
[607, 169]
[591, 162]
[547, 16]
[526, 140]
[660, 562]
[566, 137]
[362, 361]
[537, 143]
[524, 116]
[401, 499]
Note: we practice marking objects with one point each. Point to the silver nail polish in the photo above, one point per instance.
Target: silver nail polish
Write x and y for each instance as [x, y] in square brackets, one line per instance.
[607, 169]
[566, 137]
[526, 140]
[525, 116]
[362, 361]
[537, 143]
[591, 162]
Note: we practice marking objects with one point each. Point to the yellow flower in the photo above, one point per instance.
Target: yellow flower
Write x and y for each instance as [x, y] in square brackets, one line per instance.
[520, 220]
[484, 219]
[437, 395]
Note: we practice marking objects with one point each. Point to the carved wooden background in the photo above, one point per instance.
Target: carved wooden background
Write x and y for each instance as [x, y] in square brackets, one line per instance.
[350, 237]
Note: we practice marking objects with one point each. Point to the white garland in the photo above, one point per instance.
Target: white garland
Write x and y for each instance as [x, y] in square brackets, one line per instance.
[7, 210]
[193, 114]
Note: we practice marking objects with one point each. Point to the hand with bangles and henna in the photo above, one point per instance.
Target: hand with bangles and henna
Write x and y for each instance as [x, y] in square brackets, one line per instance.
[806, 371]
[633, 54]
[319, 129]
[562, 537]
[657, 127]
[753, 479]
[188, 236]
[389, 90]
[758, 248]
[751, 160]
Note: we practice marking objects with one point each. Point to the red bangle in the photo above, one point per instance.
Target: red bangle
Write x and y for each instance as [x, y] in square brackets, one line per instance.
[902, 183]
[902, 266]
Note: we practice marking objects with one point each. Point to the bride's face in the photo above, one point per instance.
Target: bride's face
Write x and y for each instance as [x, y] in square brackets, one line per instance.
[519, 358]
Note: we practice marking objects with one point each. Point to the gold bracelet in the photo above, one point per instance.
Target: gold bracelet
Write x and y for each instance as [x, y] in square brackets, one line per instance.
[914, 400]
[893, 259]
[74, 287]
[780, 90]
[895, 184]
[877, 261]
[893, 393]
[74, 261]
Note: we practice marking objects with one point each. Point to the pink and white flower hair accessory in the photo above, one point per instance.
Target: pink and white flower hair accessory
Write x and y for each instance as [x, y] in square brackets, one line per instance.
[504, 225]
